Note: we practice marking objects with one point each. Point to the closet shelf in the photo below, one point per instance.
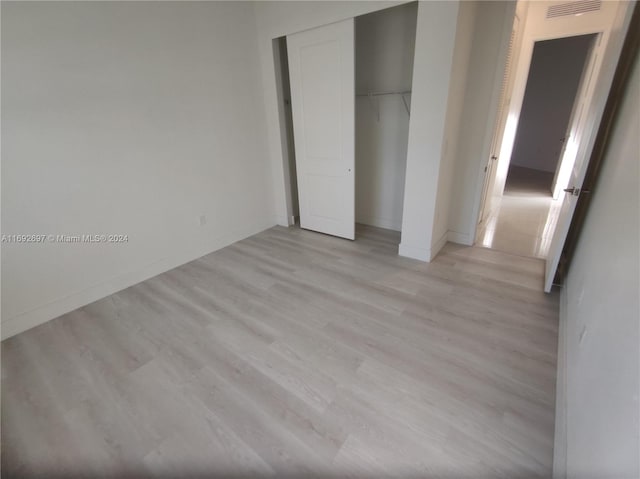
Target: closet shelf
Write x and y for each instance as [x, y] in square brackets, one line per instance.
[402, 94]
[382, 93]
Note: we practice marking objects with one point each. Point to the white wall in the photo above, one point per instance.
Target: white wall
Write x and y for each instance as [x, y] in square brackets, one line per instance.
[597, 423]
[141, 118]
[384, 62]
[432, 68]
[453, 132]
[554, 76]
[131, 118]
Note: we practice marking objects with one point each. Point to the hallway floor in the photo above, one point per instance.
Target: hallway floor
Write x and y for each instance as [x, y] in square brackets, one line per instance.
[524, 222]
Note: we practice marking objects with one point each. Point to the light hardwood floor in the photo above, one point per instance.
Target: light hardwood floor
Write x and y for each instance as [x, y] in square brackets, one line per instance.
[294, 354]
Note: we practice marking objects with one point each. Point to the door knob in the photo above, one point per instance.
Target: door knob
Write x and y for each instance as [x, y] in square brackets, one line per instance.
[573, 190]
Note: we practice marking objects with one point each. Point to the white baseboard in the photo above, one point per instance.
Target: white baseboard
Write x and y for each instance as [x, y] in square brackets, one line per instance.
[560, 433]
[438, 245]
[460, 238]
[413, 252]
[378, 222]
[282, 220]
[424, 254]
[41, 314]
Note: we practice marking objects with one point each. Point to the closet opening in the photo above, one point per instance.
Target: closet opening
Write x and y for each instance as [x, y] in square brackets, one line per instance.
[348, 181]
[385, 43]
[286, 128]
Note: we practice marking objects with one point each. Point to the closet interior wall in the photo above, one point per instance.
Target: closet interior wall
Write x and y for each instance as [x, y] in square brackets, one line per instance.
[385, 43]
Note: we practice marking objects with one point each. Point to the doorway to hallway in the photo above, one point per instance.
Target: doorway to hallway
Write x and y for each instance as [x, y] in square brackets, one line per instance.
[522, 218]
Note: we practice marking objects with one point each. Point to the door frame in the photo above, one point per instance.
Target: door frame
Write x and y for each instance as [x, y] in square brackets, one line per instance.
[586, 147]
[620, 84]
[289, 157]
[535, 30]
[279, 46]
[281, 106]
[504, 100]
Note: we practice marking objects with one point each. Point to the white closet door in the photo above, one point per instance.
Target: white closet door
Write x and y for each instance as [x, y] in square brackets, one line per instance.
[322, 74]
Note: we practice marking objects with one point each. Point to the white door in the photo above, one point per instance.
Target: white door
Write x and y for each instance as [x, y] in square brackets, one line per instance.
[567, 153]
[322, 74]
[487, 200]
[564, 221]
[555, 184]
[580, 145]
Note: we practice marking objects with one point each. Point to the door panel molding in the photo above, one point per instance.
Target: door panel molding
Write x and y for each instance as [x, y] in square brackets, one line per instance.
[322, 73]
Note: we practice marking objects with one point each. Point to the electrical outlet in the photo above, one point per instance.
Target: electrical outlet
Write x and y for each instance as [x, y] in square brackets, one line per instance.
[203, 220]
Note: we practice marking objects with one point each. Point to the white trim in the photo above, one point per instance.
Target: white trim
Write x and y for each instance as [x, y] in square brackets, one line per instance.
[282, 220]
[421, 254]
[460, 238]
[438, 245]
[560, 434]
[282, 118]
[379, 222]
[41, 314]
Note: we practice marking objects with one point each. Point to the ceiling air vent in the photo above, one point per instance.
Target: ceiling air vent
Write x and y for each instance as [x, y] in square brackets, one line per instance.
[573, 8]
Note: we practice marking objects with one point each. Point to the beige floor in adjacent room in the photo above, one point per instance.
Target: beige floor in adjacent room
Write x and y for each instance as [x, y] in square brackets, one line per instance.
[294, 354]
[524, 221]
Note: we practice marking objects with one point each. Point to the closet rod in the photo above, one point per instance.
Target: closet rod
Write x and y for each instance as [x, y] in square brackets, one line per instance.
[382, 93]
